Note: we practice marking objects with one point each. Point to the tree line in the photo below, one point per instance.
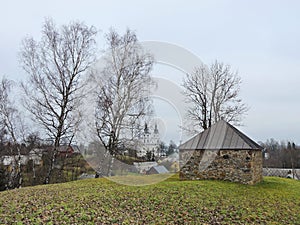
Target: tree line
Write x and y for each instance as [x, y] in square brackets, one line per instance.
[281, 154]
[61, 72]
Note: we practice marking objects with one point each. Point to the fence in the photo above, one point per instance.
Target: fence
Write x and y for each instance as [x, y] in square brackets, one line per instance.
[279, 172]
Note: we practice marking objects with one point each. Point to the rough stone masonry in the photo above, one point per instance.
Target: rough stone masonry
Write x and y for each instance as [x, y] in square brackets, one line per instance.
[221, 152]
[243, 166]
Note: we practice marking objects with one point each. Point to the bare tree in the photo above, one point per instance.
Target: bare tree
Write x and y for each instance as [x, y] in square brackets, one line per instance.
[55, 66]
[123, 98]
[13, 125]
[213, 94]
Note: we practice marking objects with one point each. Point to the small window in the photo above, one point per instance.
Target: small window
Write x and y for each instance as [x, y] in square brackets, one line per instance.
[225, 156]
[246, 170]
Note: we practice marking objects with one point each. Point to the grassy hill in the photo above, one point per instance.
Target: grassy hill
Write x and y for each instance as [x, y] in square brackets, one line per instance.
[99, 201]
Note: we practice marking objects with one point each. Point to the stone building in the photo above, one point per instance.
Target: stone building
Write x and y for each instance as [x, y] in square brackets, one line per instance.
[221, 152]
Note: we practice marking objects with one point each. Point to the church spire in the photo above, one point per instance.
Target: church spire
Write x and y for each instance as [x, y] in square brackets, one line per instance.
[155, 129]
[146, 130]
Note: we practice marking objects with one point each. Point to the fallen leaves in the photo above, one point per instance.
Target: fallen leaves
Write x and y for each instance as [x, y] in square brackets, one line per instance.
[99, 201]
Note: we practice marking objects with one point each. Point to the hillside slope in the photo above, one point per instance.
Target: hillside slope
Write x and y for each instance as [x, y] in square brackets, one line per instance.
[99, 201]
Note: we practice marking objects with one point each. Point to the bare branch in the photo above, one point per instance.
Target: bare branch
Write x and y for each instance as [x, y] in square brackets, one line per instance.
[214, 95]
[123, 98]
[55, 66]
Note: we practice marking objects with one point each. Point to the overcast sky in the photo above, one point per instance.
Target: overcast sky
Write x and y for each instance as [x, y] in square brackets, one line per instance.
[259, 39]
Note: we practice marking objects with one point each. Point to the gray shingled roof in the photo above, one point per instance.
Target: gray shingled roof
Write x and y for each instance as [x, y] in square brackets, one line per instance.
[221, 135]
[160, 169]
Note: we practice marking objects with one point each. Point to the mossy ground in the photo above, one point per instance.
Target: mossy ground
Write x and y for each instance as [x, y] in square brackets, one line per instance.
[100, 201]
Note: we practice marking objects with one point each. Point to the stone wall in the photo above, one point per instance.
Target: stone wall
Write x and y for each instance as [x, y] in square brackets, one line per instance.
[243, 166]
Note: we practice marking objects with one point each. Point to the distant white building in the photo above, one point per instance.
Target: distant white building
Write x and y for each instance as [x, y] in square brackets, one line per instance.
[36, 155]
[7, 160]
[149, 142]
[143, 167]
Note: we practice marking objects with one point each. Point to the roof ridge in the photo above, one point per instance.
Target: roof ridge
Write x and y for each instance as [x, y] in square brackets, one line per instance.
[214, 138]
[244, 137]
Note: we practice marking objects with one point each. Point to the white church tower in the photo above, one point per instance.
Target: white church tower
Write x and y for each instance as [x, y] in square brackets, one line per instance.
[149, 142]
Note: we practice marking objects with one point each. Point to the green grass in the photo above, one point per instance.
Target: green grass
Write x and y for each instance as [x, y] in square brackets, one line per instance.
[100, 201]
